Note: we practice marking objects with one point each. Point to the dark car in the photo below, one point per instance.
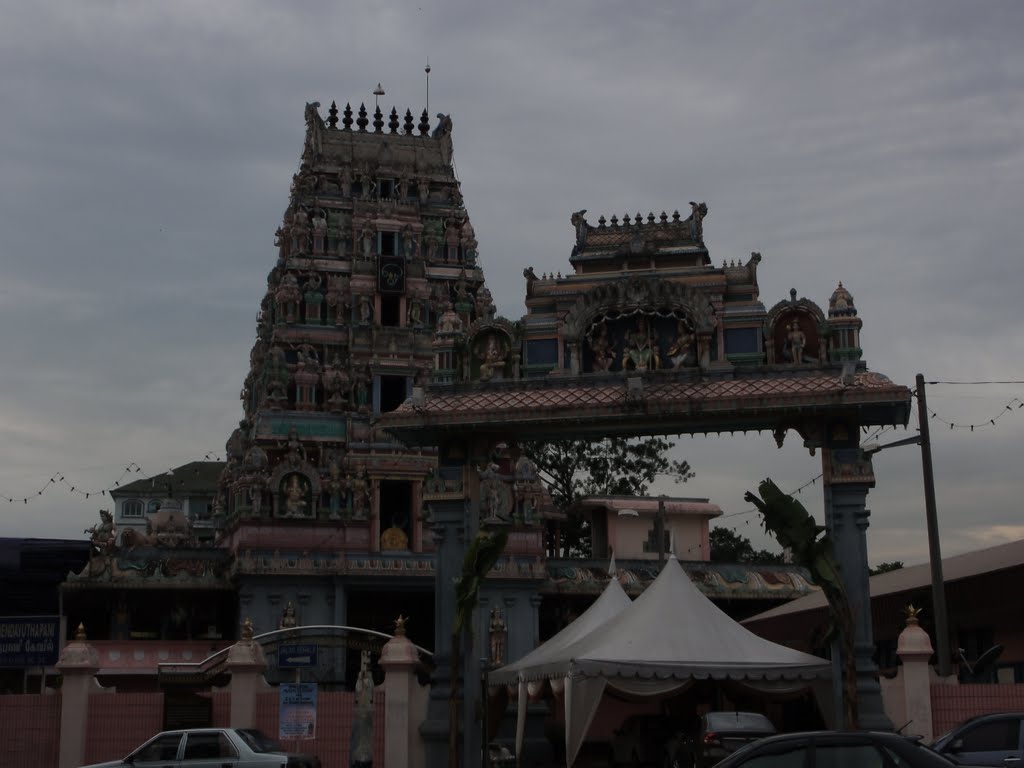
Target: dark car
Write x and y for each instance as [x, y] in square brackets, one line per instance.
[212, 748]
[722, 733]
[837, 749]
[640, 741]
[996, 739]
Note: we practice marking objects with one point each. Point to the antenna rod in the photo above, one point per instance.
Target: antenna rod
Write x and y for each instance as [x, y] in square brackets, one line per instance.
[427, 70]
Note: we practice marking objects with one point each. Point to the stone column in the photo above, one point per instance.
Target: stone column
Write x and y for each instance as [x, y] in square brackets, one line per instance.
[449, 531]
[78, 665]
[914, 648]
[848, 475]
[398, 659]
[247, 666]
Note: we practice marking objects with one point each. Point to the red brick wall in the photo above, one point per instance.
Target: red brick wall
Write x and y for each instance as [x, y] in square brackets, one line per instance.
[119, 722]
[30, 730]
[952, 704]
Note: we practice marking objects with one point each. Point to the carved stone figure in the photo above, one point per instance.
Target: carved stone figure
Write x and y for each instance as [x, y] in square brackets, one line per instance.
[287, 297]
[580, 225]
[796, 340]
[360, 489]
[337, 489]
[338, 298]
[103, 534]
[601, 348]
[698, 212]
[337, 385]
[288, 618]
[365, 310]
[416, 312]
[498, 635]
[361, 747]
[680, 352]
[493, 354]
[295, 498]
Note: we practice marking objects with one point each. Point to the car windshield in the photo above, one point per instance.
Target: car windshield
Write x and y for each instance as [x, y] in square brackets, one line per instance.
[258, 741]
[738, 721]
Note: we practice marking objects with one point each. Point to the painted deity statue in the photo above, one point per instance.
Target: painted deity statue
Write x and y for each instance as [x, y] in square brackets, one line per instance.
[680, 353]
[641, 354]
[295, 498]
[604, 354]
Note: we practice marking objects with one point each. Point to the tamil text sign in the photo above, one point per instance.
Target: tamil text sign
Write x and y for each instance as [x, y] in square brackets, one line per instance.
[29, 641]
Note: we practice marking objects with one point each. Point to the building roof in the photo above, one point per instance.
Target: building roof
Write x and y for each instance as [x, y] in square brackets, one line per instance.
[955, 568]
[191, 478]
[647, 505]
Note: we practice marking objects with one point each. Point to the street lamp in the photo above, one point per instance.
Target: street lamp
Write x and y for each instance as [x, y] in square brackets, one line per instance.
[934, 554]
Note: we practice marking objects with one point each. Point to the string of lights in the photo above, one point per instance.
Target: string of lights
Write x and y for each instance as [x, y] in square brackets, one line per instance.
[1012, 406]
[58, 479]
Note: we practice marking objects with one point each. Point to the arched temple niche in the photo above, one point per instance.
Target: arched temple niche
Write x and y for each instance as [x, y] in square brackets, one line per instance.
[493, 350]
[296, 491]
[641, 324]
[793, 333]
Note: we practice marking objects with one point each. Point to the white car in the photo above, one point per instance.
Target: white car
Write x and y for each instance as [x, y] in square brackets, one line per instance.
[212, 748]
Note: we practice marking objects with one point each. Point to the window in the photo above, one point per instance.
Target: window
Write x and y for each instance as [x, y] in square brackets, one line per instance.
[208, 746]
[393, 392]
[848, 756]
[131, 508]
[153, 506]
[390, 310]
[387, 243]
[990, 737]
[161, 748]
[793, 757]
[396, 505]
[387, 188]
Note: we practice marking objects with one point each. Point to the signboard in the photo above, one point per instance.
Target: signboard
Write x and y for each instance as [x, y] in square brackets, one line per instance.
[294, 656]
[29, 641]
[297, 713]
[391, 274]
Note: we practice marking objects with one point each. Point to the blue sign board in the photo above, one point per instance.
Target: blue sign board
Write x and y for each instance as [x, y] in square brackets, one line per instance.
[294, 656]
[29, 641]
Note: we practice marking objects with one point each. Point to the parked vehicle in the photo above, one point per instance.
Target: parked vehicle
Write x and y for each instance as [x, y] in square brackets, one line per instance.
[832, 749]
[996, 739]
[717, 735]
[212, 748]
[640, 741]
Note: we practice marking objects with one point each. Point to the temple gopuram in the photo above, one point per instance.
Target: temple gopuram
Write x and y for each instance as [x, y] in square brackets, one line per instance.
[386, 401]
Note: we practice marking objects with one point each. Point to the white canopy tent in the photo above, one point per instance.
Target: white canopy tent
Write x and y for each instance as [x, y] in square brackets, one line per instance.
[658, 645]
[611, 603]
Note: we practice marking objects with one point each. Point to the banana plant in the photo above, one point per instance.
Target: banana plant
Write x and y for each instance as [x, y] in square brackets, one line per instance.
[481, 556]
[795, 529]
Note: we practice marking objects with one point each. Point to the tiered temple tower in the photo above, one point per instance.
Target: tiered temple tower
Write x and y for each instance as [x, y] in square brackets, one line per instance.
[376, 252]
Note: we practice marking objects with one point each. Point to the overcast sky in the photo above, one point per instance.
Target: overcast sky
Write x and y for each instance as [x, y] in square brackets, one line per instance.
[146, 152]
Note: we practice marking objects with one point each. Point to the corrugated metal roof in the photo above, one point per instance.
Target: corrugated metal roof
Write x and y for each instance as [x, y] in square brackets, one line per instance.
[982, 561]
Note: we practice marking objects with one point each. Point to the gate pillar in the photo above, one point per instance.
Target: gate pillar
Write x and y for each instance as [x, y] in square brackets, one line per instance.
[848, 476]
[449, 531]
[78, 665]
[247, 666]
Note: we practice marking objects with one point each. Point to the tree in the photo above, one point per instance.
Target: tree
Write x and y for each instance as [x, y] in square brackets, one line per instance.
[727, 546]
[481, 555]
[893, 565]
[795, 529]
[612, 466]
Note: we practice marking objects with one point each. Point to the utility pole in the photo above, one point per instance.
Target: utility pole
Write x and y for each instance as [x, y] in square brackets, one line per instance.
[934, 553]
[659, 529]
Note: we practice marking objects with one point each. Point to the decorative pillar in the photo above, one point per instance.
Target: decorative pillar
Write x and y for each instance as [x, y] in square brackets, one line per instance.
[398, 659]
[914, 648]
[247, 665]
[449, 531]
[78, 665]
[848, 475]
